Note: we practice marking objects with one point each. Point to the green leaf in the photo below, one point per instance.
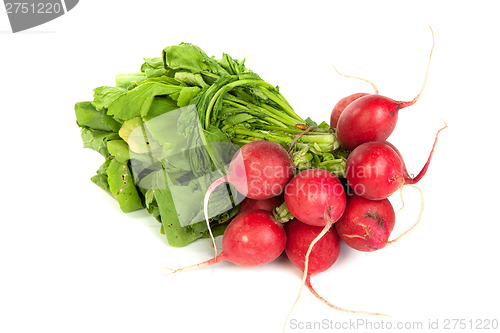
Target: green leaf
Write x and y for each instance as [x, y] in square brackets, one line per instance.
[186, 95]
[130, 81]
[105, 96]
[88, 116]
[97, 140]
[159, 106]
[191, 79]
[122, 186]
[137, 102]
[190, 57]
[185, 56]
[311, 122]
[173, 211]
[238, 118]
[153, 67]
[176, 235]
[232, 66]
[324, 125]
[101, 177]
[119, 149]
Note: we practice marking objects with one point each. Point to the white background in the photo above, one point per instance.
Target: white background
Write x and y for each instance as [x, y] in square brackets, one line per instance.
[70, 261]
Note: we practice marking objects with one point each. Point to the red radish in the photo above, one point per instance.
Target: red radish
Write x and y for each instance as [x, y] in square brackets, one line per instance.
[267, 204]
[366, 224]
[259, 170]
[322, 257]
[252, 238]
[315, 197]
[405, 172]
[374, 170]
[413, 180]
[369, 118]
[299, 237]
[341, 105]
[372, 117]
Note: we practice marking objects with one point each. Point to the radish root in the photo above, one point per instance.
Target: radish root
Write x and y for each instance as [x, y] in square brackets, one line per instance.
[311, 289]
[413, 101]
[213, 261]
[306, 265]
[418, 221]
[359, 78]
[402, 200]
[306, 276]
[206, 199]
[416, 179]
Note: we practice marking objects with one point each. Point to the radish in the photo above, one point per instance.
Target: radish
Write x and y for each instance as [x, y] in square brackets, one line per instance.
[322, 257]
[366, 224]
[252, 238]
[299, 237]
[267, 204]
[405, 172]
[259, 170]
[341, 105]
[315, 197]
[372, 117]
[374, 170]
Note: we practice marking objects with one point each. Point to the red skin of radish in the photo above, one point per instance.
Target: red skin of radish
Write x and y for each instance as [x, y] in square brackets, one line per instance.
[366, 224]
[323, 255]
[252, 238]
[372, 117]
[260, 170]
[421, 174]
[368, 118]
[315, 197]
[374, 170]
[405, 172]
[267, 204]
[299, 237]
[341, 105]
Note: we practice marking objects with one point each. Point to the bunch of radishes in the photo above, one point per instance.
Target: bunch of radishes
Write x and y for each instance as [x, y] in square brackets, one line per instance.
[264, 172]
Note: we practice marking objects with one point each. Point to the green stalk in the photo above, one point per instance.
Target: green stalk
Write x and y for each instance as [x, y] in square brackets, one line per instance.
[254, 134]
[291, 121]
[286, 107]
[232, 85]
[221, 91]
[317, 131]
[269, 117]
[246, 99]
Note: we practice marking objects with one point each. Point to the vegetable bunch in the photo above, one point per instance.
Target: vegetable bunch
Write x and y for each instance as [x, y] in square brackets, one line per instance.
[168, 131]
